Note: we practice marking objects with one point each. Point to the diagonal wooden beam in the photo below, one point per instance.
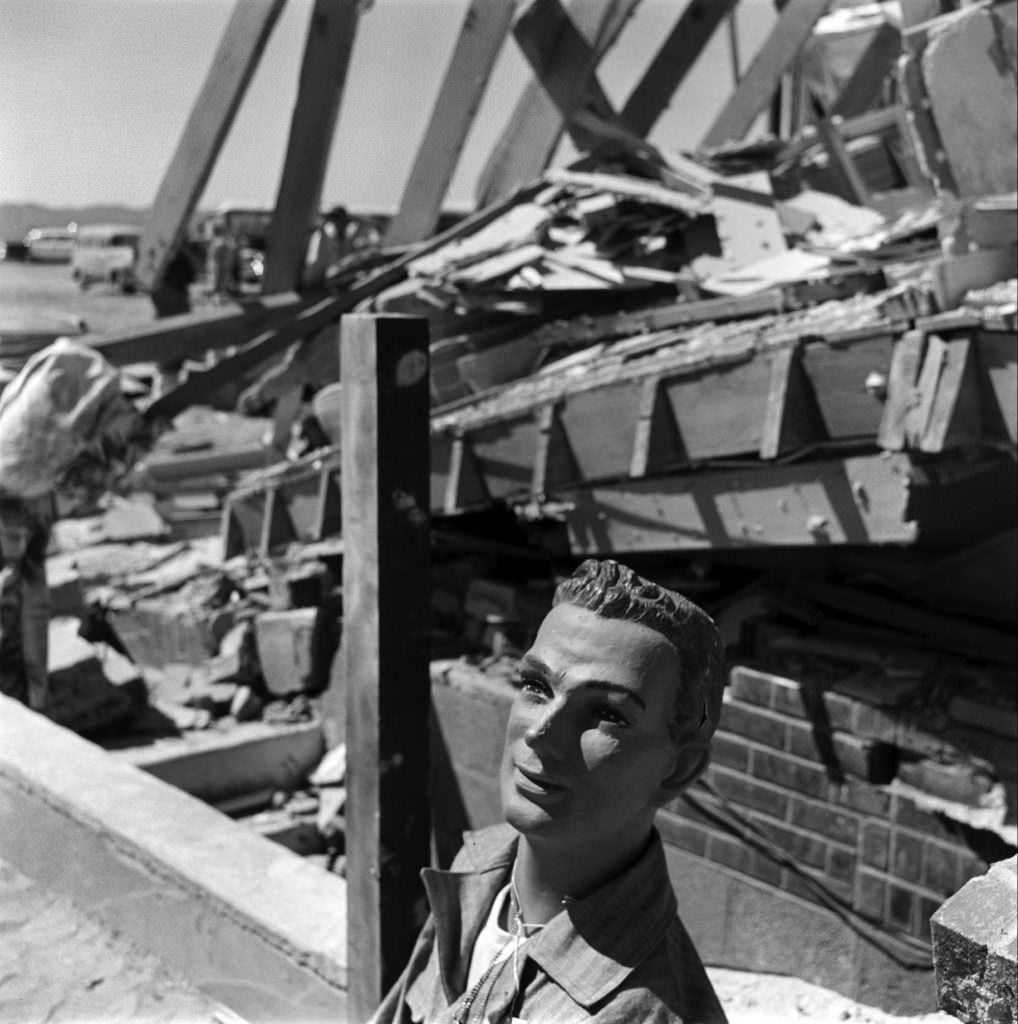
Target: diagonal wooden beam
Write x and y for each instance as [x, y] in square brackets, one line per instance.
[240, 49]
[535, 125]
[482, 33]
[678, 53]
[875, 63]
[331, 31]
[793, 28]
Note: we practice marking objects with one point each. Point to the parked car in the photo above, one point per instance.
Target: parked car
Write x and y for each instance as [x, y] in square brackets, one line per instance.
[49, 245]
[106, 253]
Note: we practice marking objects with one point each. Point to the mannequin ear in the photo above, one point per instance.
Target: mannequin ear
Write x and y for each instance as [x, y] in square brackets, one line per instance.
[690, 760]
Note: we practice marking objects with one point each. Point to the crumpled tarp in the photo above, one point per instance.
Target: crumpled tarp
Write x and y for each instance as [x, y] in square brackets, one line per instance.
[64, 421]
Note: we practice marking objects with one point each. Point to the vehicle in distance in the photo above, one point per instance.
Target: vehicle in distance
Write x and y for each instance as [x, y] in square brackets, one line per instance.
[108, 254]
[49, 245]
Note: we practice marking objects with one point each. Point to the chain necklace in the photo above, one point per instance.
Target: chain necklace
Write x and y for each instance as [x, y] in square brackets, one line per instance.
[520, 933]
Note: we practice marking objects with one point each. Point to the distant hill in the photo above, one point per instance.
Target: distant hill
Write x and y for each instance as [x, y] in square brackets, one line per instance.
[17, 218]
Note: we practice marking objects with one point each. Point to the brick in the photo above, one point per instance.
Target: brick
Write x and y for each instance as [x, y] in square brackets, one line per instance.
[788, 772]
[732, 751]
[936, 826]
[285, 642]
[964, 783]
[805, 848]
[861, 796]
[841, 863]
[871, 894]
[737, 855]
[924, 912]
[699, 811]
[742, 790]
[874, 762]
[906, 856]
[753, 723]
[874, 723]
[751, 686]
[941, 868]
[901, 904]
[838, 825]
[686, 835]
[874, 844]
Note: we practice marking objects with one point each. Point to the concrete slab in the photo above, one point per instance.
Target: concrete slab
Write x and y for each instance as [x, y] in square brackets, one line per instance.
[219, 765]
[247, 922]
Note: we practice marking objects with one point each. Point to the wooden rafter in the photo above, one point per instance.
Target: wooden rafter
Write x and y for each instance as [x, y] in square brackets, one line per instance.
[535, 125]
[233, 65]
[480, 40]
[673, 61]
[331, 31]
[794, 25]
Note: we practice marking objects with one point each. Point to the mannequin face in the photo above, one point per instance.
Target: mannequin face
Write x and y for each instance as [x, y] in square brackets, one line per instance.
[589, 755]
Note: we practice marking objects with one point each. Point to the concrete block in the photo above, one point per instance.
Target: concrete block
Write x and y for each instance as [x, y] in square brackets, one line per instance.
[217, 766]
[244, 920]
[294, 650]
[974, 948]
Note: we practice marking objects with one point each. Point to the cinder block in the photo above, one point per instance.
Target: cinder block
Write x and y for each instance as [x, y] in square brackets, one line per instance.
[974, 947]
[295, 650]
[968, 784]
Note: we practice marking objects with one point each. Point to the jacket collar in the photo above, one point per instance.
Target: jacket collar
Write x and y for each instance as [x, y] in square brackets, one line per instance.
[589, 949]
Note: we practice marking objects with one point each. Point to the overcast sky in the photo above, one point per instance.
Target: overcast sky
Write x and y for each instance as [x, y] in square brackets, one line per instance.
[94, 95]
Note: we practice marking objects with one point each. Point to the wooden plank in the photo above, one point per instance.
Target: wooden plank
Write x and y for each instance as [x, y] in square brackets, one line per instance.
[277, 527]
[564, 62]
[331, 30]
[840, 161]
[906, 359]
[480, 39]
[875, 63]
[385, 650]
[860, 500]
[793, 28]
[174, 337]
[233, 65]
[955, 417]
[535, 125]
[678, 53]
[922, 129]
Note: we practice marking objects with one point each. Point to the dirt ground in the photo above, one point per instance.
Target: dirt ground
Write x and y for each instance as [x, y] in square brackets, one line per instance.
[750, 998]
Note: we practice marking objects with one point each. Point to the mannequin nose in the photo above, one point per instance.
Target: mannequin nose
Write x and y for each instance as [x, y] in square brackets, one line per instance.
[547, 729]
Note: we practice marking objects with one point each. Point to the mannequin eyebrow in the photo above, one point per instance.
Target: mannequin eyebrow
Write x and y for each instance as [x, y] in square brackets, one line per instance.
[528, 661]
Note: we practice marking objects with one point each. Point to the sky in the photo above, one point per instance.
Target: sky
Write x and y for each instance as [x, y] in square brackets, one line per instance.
[94, 96]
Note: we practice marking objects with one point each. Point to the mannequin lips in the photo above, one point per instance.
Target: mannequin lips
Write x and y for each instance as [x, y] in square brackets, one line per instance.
[534, 785]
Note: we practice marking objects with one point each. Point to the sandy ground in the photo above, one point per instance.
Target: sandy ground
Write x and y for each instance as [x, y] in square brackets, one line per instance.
[59, 967]
[750, 998]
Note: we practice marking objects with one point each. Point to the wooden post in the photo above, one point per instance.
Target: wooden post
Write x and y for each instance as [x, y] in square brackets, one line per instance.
[235, 61]
[481, 36]
[386, 612]
[331, 31]
[795, 23]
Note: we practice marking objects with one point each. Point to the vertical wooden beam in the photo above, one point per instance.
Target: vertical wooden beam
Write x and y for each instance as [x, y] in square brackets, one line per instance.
[480, 40]
[795, 23]
[840, 161]
[792, 419]
[465, 485]
[213, 112]
[554, 464]
[331, 31]
[901, 394]
[657, 442]
[955, 415]
[386, 615]
[672, 62]
[535, 125]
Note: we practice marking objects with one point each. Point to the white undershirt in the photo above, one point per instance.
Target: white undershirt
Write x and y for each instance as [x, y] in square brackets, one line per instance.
[493, 942]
